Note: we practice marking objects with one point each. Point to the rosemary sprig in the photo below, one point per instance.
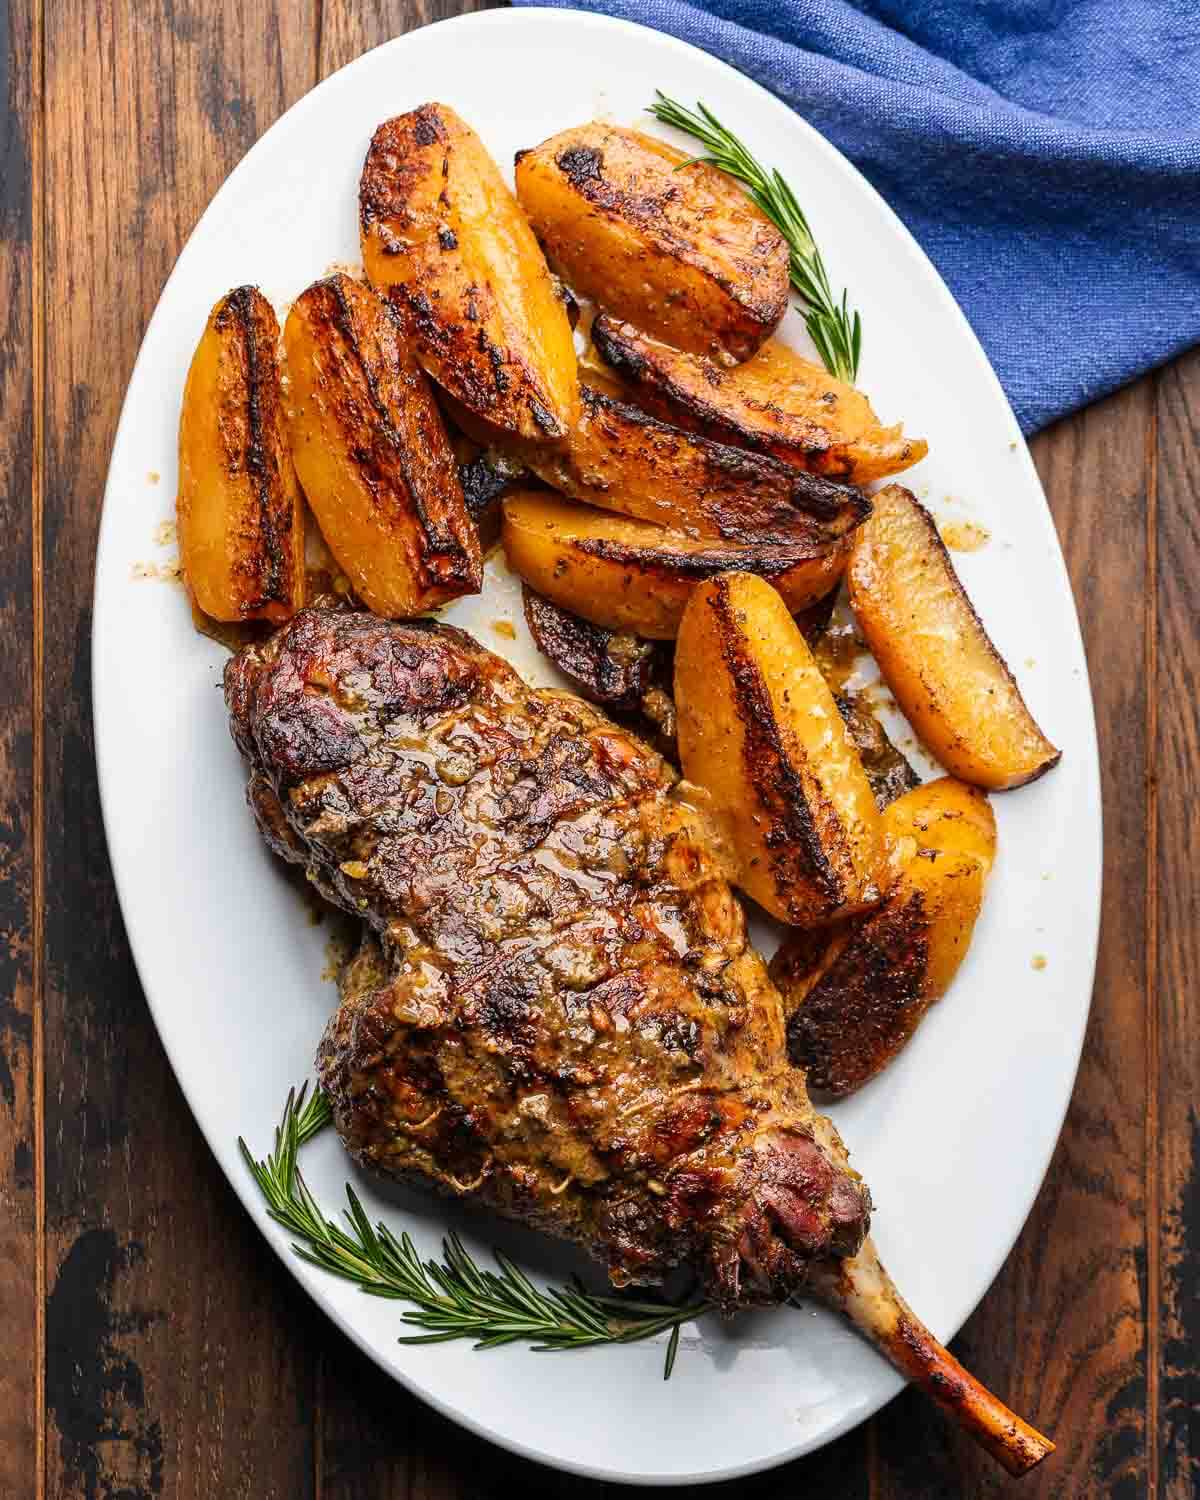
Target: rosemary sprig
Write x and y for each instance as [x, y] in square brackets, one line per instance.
[833, 328]
[453, 1298]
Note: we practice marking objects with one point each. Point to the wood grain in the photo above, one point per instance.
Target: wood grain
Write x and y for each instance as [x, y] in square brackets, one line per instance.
[171, 1363]
[20, 1239]
[1060, 1335]
[1174, 1161]
[350, 29]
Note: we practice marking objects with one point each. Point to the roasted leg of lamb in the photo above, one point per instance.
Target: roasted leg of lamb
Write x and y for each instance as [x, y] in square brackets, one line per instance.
[555, 1010]
[559, 1013]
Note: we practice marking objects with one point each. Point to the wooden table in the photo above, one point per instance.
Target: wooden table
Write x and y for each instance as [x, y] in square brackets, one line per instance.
[150, 1345]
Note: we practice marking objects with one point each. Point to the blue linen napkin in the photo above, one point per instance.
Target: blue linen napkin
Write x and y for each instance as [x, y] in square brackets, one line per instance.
[1045, 153]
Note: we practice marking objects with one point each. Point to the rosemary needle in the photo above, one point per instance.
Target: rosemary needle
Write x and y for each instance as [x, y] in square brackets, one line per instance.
[833, 328]
[453, 1298]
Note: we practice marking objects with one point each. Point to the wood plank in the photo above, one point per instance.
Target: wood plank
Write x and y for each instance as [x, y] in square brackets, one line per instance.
[347, 31]
[1175, 1198]
[20, 1224]
[1060, 1334]
[172, 1368]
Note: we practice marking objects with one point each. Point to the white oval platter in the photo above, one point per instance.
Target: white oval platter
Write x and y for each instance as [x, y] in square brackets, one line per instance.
[954, 1137]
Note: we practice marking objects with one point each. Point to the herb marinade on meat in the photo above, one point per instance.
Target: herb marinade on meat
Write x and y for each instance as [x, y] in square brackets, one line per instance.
[555, 1009]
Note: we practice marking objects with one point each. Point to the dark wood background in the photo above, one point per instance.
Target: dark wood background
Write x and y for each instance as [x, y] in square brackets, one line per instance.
[148, 1344]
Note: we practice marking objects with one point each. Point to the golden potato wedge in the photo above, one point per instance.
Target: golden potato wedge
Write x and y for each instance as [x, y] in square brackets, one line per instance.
[622, 460]
[239, 508]
[607, 666]
[628, 575]
[682, 253]
[759, 730]
[485, 477]
[446, 241]
[855, 992]
[887, 768]
[776, 403]
[599, 375]
[939, 662]
[373, 455]
[945, 815]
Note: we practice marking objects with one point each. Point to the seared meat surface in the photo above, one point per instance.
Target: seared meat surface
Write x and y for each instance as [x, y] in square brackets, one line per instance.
[556, 1010]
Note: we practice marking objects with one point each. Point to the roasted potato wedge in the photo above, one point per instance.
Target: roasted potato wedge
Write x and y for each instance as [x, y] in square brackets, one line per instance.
[622, 460]
[759, 730]
[776, 403]
[608, 666]
[855, 992]
[947, 816]
[239, 508]
[629, 575]
[887, 768]
[446, 241]
[814, 619]
[484, 478]
[682, 253]
[939, 662]
[373, 455]
[626, 673]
